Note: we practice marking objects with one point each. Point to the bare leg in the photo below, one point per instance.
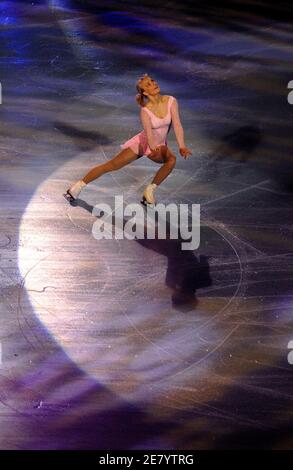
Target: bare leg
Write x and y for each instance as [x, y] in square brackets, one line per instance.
[123, 158]
[169, 161]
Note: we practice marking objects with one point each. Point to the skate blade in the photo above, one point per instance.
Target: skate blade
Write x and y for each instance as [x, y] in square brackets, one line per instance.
[145, 203]
[69, 198]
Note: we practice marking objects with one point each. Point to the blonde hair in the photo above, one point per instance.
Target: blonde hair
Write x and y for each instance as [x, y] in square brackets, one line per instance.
[140, 97]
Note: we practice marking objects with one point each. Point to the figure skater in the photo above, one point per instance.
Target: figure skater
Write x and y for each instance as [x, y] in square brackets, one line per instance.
[156, 115]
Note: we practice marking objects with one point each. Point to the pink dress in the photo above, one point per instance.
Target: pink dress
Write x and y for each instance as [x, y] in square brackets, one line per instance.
[160, 129]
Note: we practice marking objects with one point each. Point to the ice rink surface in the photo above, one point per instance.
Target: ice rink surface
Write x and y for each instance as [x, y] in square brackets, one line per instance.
[137, 344]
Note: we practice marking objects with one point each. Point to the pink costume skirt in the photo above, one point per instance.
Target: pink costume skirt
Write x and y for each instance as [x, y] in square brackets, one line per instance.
[138, 143]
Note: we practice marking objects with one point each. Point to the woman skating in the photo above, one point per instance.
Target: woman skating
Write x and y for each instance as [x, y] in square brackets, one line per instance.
[156, 114]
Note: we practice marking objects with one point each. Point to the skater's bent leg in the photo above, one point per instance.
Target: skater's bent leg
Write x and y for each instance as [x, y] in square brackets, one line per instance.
[121, 159]
[166, 168]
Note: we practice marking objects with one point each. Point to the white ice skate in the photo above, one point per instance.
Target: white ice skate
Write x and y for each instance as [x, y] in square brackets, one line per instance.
[148, 198]
[73, 192]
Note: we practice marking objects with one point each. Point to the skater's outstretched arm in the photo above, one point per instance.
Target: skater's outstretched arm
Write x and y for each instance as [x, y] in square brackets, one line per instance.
[178, 129]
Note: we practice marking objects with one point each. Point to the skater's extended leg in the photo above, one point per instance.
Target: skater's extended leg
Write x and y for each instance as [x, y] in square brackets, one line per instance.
[123, 158]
